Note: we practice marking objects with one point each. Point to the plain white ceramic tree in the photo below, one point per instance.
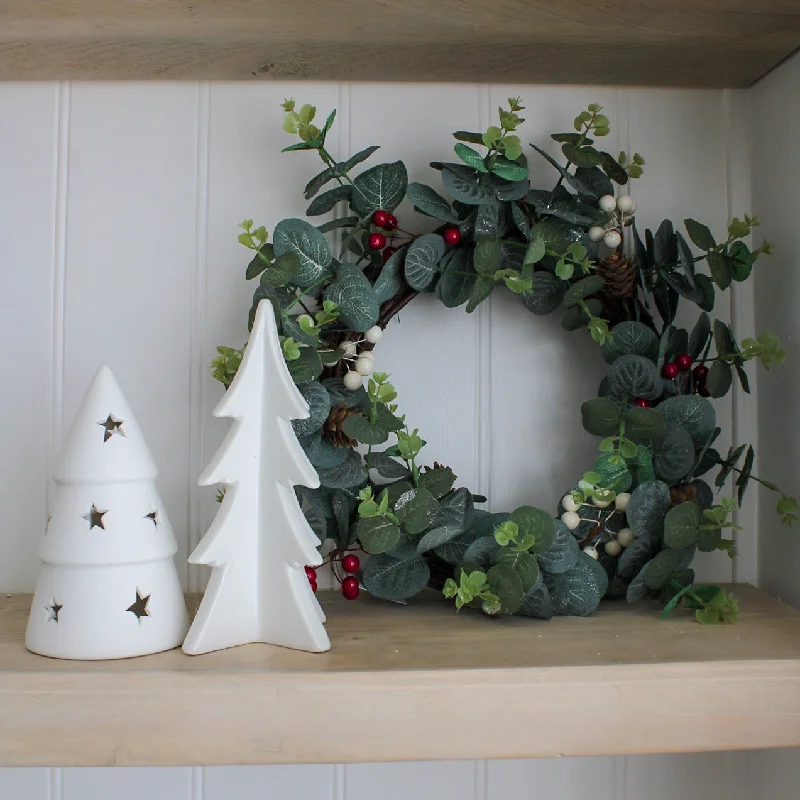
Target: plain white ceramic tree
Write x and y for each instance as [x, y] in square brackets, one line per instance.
[259, 543]
[108, 587]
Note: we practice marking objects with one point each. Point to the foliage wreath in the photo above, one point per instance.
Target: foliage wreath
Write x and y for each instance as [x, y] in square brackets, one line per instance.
[633, 523]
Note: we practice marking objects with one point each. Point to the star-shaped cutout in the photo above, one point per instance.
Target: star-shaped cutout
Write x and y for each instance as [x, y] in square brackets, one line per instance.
[95, 517]
[139, 608]
[111, 425]
[52, 611]
[153, 517]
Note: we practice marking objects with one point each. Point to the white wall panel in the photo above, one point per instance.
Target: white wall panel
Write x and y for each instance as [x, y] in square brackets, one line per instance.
[677, 776]
[19, 783]
[268, 783]
[126, 783]
[428, 780]
[554, 778]
[28, 170]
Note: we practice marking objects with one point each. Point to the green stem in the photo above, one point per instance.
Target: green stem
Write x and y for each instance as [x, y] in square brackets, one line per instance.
[299, 297]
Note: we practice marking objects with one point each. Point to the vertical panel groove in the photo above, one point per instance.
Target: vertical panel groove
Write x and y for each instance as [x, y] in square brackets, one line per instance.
[59, 280]
[483, 377]
[481, 778]
[56, 787]
[196, 783]
[196, 367]
[339, 782]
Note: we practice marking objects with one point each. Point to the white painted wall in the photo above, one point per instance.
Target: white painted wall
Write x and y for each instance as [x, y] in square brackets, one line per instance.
[118, 212]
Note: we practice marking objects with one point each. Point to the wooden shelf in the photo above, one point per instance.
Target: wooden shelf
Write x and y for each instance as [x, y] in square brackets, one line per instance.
[416, 682]
[714, 43]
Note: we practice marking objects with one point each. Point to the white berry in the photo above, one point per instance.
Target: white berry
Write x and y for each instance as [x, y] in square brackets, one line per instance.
[568, 503]
[626, 204]
[571, 519]
[621, 501]
[367, 354]
[348, 347]
[365, 366]
[612, 239]
[591, 550]
[613, 548]
[352, 381]
[601, 503]
[596, 233]
[626, 537]
[307, 318]
[374, 334]
[608, 203]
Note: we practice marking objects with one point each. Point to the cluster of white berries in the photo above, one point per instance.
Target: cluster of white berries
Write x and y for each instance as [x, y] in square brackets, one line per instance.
[363, 363]
[572, 519]
[622, 210]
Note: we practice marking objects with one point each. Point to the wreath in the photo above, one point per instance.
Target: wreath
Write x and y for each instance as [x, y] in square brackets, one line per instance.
[632, 524]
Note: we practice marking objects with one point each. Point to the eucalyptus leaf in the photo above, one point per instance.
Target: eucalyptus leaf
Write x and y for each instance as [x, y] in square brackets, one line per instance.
[390, 280]
[506, 584]
[319, 406]
[647, 507]
[322, 454]
[284, 269]
[509, 170]
[312, 249]
[361, 429]
[681, 526]
[457, 278]
[305, 368]
[350, 472]
[635, 376]
[582, 289]
[472, 158]
[720, 378]
[355, 297]
[437, 537]
[361, 155]
[657, 571]
[578, 591]
[377, 534]
[417, 510]
[464, 185]
[524, 564]
[644, 423]
[699, 336]
[438, 481]
[635, 556]
[601, 417]
[562, 554]
[327, 201]
[389, 578]
[482, 550]
[380, 187]
[456, 509]
[631, 338]
[545, 295]
[421, 259]
[489, 221]
[693, 412]
[537, 603]
[388, 467]
[430, 202]
[673, 453]
[637, 589]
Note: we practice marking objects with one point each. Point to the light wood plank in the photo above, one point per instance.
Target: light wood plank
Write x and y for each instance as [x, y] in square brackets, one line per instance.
[619, 682]
[674, 42]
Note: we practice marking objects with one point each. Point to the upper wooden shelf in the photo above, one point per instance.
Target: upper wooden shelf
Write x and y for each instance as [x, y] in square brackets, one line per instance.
[712, 43]
[413, 683]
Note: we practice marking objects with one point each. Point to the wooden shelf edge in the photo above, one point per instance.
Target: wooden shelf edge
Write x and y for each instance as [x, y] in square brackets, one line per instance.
[418, 683]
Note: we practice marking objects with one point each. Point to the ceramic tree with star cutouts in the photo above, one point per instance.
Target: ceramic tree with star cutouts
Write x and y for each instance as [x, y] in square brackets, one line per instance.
[259, 543]
[108, 587]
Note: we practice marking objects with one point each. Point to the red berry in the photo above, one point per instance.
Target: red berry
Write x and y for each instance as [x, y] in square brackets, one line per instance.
[311, 574]
[452, 236]
[391, 223]
[377, 241]
[350, 563]
[670, 371]
[380, 218]
[642, 402]
[350, 588]
[314, 586]
[388, 253]
[700, 373]
[684, 362]
[702, 390]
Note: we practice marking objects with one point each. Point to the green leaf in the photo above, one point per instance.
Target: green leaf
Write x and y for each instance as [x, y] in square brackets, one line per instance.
[699, 234]
[472, 158]
[644, 423]
[486, 259]
[361, 155]
[506, 584]
[673, 453]
[578, 591]
[614, 170]
[582, 156]
[430, 202]
[635, 376]
[721, 269]
[613, 473]
[417, 510]
[534, 521]
[388, 467]
[355, 297]
[437, 481]
[284, 269]
[743, 479]
[318, 181]
[601, 417]
[392, 579]
[742, 261]
[300, 237]
[259, 264]
[720, 378]
[457, 278]
[672, 604]
[562, 554]
[390, 281]
[305, 368]
[436, 537]
[699, 336]
[681, 526]
[636, 555]
[535, 252]
[631, 338]
[509, 170]
[695, 413]
[456, 509]
[466, 136]
[332, 225]
[593, 182]
[537, 603]
[706, 287]
[350, 472]
[637, 589]
[463, 184]
[328, 200]
[481, 289]
[319, 407]
[520, 221]
[546, 294]
[489, 220]
[421, 259]
[377, 534]
[583, 289]
[360, 428]
[647, 508]
[657, 572]
[380, 187]
[524, 564]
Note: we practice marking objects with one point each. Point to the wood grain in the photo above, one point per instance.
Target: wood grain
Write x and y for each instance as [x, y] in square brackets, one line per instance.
[419, 683]
[712, 43]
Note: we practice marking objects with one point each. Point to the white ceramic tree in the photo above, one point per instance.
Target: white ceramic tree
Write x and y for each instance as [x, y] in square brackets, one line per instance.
[108, 587]
[259, 542]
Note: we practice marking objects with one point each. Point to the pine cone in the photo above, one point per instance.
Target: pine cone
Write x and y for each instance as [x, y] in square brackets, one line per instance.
[332, 427]
[620, 274]
[683, 493]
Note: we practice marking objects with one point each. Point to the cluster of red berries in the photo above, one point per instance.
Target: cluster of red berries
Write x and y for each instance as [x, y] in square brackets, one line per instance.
[671, 370]
[350, 588]
[381, 219]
